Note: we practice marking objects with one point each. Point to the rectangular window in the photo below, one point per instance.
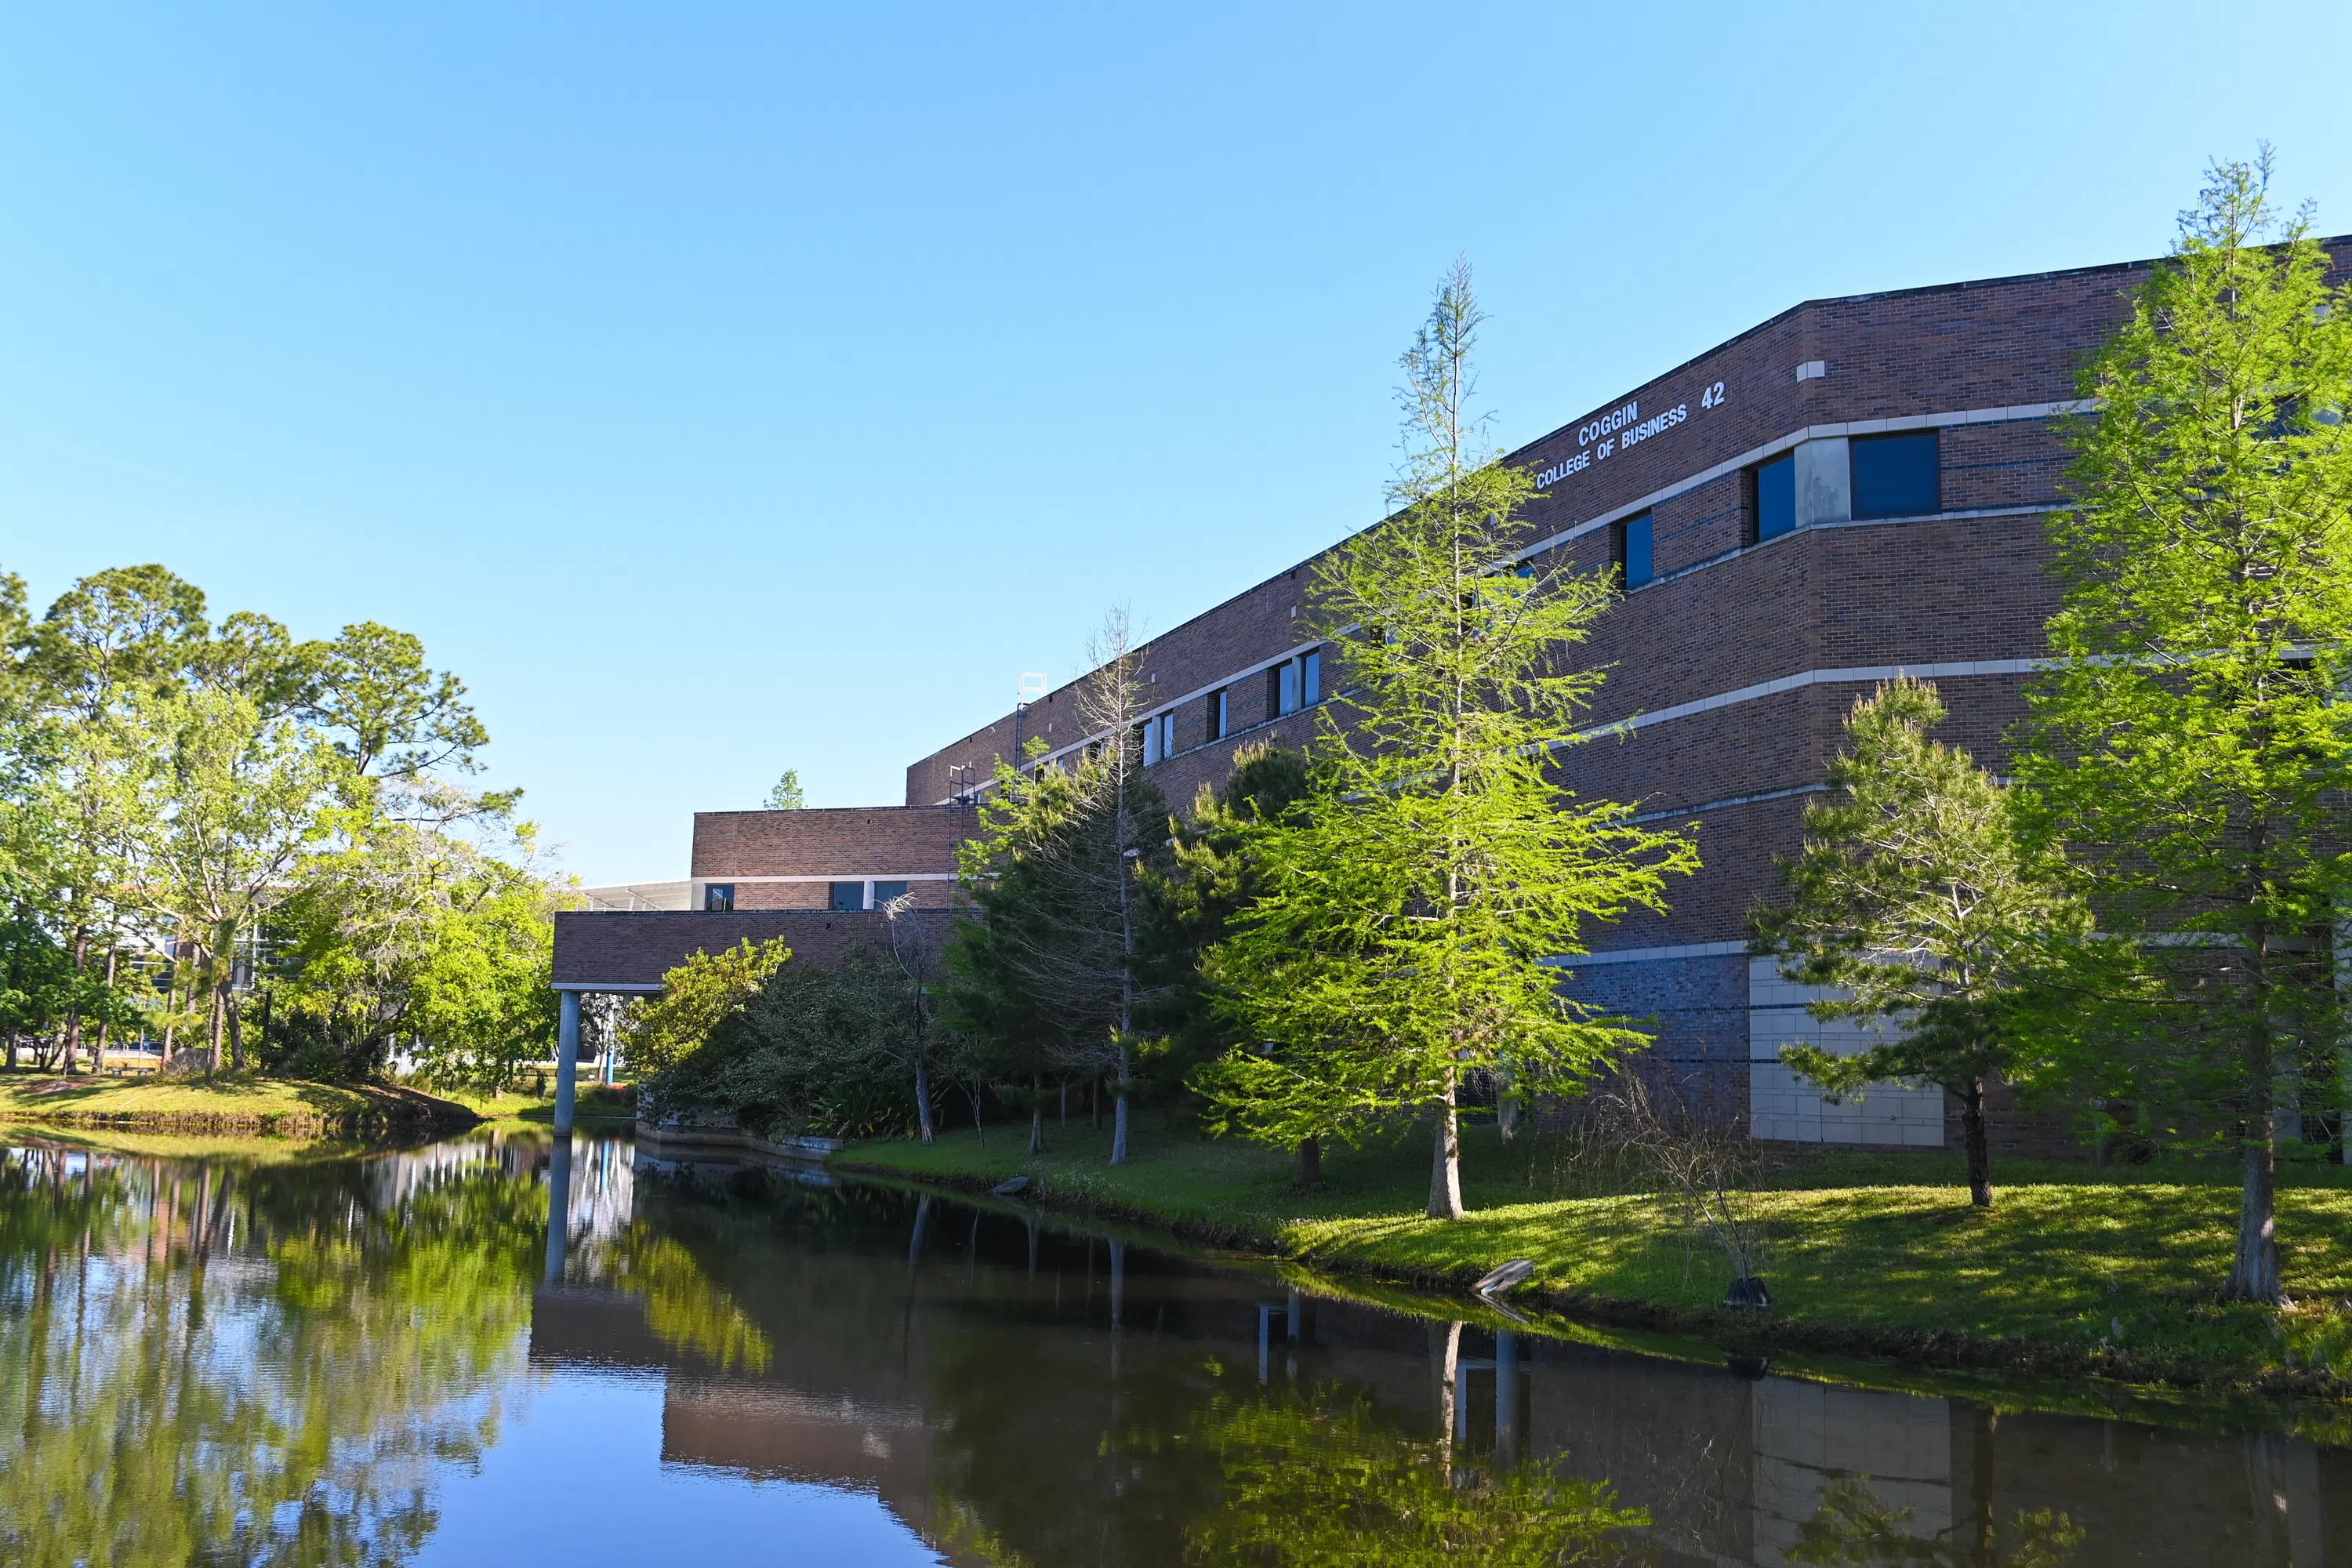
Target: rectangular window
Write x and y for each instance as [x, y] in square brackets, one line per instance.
[1310, 678]
[1895, 476]
[1151, 741]
[1634, 549]
[717, 898]
[846, 897]
[1274, 684]
[886, 892]
[1772, 498]
[1167, 723]
[1220, 715]
[1290, 682]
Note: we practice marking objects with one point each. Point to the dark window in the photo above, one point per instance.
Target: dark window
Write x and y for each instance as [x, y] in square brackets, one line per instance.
[1220, 711]
[1772, 498]
[1166, 727]
[1280, 681]
[886, 892]
[1894, 475]
[1311, 680]
[848, 895]
[1634, 549]
[718, 897]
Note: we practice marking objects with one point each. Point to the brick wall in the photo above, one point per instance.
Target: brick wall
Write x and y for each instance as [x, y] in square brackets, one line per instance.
[1981, 363]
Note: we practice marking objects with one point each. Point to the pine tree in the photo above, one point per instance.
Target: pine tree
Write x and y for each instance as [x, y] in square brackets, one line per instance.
[1918, 898]
[2192, 743]
[1412, 914]
[1046, 970]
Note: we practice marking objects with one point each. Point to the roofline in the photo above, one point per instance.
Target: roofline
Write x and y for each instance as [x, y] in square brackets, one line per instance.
[819, 811]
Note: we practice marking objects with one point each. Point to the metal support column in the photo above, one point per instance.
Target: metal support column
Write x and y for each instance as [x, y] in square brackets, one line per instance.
[567, 1062]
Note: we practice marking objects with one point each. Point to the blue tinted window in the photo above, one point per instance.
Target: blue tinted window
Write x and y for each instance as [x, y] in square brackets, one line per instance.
[1634, 551]
[1311, 680]
[718, 897]
[886, 892]
[1894, 475]
[1776, 497]
[848, 895]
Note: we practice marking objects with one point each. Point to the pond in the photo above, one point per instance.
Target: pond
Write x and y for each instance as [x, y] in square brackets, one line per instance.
[390, 1357]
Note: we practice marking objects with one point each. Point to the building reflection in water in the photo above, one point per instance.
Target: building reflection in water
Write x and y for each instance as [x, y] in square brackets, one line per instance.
[1014, 1391]
[1064, 1398]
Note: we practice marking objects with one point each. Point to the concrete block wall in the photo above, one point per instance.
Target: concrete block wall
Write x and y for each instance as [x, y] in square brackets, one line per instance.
[1785, 1108]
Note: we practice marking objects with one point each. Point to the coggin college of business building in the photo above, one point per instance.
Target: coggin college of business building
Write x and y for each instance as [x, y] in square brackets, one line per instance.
[1854, 488]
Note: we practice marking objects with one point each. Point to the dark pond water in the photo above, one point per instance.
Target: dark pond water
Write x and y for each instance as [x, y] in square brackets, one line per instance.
[384, 1359]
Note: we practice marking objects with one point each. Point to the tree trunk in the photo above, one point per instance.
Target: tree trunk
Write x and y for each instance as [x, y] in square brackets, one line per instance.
[105, 1025]
[1036, 1116]
[923, 1097]
[1972, 1131]
[1444, 1366]
[235, 1032]
[1310, 1160]
[1445, 1157]
[73, 1013]
[1119, 1113]
[2254, 1273]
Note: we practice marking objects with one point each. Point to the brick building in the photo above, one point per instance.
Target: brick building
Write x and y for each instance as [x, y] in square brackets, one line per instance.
[1853, 489]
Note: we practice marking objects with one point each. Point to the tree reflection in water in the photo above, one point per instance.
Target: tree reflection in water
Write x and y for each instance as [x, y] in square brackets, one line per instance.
[1313, 1478]
[1855, 1529]
[244, 1364]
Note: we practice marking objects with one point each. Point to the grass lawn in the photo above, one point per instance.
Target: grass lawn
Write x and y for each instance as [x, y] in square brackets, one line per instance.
[2077, 1270]
[229, 1099]
[242, 1149]
[590, 1102]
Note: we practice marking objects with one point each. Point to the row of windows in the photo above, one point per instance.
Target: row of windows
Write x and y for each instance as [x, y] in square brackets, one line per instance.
[1887, 476]
[1290, 685]
[718, 898]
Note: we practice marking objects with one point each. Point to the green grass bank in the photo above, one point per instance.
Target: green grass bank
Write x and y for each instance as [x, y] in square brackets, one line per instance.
[228, 1103]
[2076, 1272]
[233, 1104]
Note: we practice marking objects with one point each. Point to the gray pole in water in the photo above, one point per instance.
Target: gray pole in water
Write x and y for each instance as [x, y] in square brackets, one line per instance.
[567, 1060]
[558, 1204]
[1506, 1398]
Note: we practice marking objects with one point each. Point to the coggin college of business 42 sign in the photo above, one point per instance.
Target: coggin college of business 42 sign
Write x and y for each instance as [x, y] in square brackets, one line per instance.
[1621, 427]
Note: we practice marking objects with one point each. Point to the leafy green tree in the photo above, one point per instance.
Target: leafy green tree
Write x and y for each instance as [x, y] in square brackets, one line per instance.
[787, 795]
[392, 716]
[1919, 899]
[1191, 905]
[112, 641]
[2192, 740]
[817, 1049]
[484, 997]
[232, 806]
[1410, 918]
[697, 997]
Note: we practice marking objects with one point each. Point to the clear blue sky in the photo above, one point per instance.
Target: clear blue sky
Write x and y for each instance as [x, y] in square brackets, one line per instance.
[723, 388]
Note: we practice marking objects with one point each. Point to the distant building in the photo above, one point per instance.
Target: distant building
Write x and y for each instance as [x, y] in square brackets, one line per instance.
[625, 897]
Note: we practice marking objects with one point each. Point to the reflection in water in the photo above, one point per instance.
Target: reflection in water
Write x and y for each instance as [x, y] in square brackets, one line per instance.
[1317, 1480]
[325, 1363]
[216, 1364]
[1854, 1527]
